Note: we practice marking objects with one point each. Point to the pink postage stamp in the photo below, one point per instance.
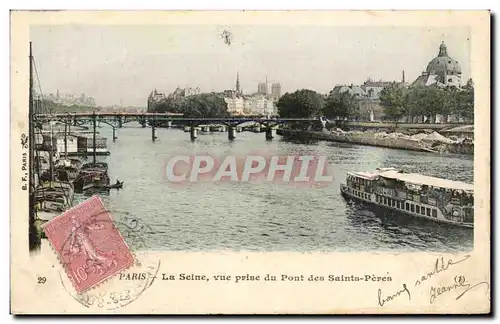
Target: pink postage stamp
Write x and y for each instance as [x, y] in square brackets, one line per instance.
[88, 243]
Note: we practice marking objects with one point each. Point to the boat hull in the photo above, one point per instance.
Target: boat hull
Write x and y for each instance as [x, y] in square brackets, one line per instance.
[384, 209]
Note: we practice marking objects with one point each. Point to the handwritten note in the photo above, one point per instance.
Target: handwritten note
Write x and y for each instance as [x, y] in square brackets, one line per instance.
[440, 266]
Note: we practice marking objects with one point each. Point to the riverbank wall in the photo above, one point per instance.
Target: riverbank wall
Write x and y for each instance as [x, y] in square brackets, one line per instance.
[365, 138]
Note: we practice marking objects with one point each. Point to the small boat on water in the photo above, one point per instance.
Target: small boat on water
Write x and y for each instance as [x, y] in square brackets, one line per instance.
[415, 195]
[66, 173]
[52, 199]
[70, 162]
[63, 187]
[93, 165]
[117, 185]
[91, 177]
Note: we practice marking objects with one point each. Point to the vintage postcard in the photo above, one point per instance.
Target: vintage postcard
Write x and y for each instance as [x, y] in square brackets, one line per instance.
[250, 162]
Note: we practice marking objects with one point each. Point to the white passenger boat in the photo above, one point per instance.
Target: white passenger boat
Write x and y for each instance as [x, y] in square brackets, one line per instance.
[416, 195]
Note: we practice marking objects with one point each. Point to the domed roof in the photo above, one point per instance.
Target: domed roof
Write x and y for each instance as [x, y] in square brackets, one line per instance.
[443, 63]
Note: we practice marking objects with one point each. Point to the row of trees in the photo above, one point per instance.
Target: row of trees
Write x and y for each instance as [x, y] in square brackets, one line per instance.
[423, 104]
[307, 103]
[208, 105]
[417, 104]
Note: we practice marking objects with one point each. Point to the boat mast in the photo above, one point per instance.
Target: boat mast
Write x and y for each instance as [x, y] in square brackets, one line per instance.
[51, 152]
[93, 121]
[34, 238]
[65, 140]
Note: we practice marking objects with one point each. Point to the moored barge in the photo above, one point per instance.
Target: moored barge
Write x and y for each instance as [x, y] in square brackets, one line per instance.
[411, 194]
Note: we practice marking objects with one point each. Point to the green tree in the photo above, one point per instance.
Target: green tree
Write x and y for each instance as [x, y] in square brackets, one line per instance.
[209, 105]
[342, 105]
[451, 98]
[394, 101]
[169, 105]
[424, 103]
[300, 104]
[465, 102]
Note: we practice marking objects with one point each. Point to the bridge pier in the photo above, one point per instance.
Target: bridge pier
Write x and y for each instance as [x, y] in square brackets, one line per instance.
[269, 133]
[120, 122]
[169, 124]
[193, 133]
[153, 132]
[230, 132]
[74, 121]
[114, 136]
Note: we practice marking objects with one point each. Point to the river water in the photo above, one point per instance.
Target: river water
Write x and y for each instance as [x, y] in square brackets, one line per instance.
[268, 217]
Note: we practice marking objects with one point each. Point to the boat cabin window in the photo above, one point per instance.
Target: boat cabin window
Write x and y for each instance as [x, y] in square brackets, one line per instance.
[398, 205]
[412, 208]
[422, 210]
[434, 213]
[385, 201]
[407, 206]
[393, 203]
[428, 211]
[418, 209]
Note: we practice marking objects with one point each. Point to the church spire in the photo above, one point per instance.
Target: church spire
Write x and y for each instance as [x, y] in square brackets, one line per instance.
[238, 83]
[442, 49]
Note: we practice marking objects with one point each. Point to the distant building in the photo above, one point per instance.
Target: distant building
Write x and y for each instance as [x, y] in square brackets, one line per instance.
[262, 88]
[191, 91]
[276, 91]
[154, 99]
[441, 71]
[181, 93]
[373, 88]
[367, 97]
[239, 91]
[235, 105]
[260, 105]
[70, 99]
[354, 90]
[251, 105]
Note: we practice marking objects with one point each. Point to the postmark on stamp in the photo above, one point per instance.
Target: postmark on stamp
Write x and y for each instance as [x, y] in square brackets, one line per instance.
[89, 245]
[127, 286]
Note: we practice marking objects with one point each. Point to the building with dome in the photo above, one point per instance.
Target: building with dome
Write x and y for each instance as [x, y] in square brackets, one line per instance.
[441, 71]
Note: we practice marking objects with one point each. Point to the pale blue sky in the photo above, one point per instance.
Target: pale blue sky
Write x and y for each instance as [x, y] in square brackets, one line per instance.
[113, 63]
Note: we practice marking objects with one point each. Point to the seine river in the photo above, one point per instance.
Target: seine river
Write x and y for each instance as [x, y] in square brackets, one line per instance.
[268, 217]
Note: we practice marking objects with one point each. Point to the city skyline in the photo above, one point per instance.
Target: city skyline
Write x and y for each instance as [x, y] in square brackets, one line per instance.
[124, 63]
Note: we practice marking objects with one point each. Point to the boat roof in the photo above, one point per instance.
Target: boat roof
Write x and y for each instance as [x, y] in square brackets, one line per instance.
[417, 179]
[364, 175]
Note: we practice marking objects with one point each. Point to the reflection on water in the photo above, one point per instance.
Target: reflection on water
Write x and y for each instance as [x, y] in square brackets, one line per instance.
[266, 217]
